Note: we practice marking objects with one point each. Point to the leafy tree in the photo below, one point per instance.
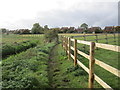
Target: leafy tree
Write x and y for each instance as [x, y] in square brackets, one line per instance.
[16, 32]
[98, 31]
[64, 29]
[56, 29]
[51, 35]
[3, 30]
[24, 31]
[46, 27]
[37, 29]
[117, 29]
[84, 26]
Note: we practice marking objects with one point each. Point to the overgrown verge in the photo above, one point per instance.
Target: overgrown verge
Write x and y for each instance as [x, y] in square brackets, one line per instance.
[11, 49]
[27, 69]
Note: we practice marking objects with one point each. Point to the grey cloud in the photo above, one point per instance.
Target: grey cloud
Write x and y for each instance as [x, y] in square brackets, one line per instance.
[96, 14]
[102, 14]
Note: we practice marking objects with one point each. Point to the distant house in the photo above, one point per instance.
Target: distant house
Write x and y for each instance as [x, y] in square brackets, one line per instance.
[72, 28]
[11, 31]
[64, 29]
[109, 29]
[94, 29]
[80, 30]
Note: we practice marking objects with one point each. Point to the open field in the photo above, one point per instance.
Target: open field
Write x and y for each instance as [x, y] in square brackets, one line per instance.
[49, 66]
[18, 38]
[107, 56]
[100, 36]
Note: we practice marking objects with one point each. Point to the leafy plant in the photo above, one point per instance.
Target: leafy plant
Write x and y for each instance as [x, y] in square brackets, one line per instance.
[27, 69]
[10, 49]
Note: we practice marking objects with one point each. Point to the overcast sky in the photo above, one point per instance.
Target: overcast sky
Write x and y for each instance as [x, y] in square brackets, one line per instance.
[18, 14]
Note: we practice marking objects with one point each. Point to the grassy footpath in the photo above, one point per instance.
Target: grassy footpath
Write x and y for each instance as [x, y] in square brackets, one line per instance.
[62, 73]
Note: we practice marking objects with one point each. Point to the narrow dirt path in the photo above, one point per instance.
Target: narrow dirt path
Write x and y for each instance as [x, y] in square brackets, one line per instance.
[52, 65]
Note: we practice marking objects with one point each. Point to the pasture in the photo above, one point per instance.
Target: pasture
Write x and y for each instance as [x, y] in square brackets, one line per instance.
[107, 56]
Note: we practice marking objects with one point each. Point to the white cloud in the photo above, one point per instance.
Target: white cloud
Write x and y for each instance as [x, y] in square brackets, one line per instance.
[23, 13]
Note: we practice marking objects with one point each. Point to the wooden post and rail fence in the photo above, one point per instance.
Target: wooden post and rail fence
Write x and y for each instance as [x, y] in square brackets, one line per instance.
[96, 39]
[66, 44]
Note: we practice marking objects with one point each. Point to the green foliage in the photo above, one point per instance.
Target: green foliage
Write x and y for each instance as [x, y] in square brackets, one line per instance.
[117, 29]
[10, 49]
[3, 30]
[22, 31]
[98, 31]
[46, 27]
[84, 25]
[51, 35]
[37, 29]
[27, 69]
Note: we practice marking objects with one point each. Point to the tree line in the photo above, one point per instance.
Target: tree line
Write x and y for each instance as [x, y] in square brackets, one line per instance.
[83, 28]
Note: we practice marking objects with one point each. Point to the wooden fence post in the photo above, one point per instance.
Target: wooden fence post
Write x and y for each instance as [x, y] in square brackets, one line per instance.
[84, 40]
[72, 42]
[91, 65]
[69, 42]
[106, 38]
[75, 52]
[66, 45]
[64, 42]
[114, 38]
[96, 38]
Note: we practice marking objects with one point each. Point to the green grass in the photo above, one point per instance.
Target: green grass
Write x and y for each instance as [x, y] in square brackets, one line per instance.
[12, 38]
[63, 74]
[106, 56]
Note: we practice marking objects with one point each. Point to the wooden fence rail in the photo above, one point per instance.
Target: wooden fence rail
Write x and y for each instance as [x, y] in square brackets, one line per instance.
[66, 43]
[97, 39]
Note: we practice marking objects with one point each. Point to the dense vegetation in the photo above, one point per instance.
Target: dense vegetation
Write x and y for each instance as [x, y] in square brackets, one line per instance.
[51, 36]
[9, 49]
[27, 69]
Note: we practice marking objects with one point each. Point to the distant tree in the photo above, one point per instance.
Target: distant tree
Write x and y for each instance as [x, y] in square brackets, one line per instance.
[84, 25]
[117, 29]
[37, 29]
[57, 29]
[46, 27]
[24, 31]
[3, 30]
[16, 32]
[64, 29]
[98, 31]
[71, 30]
[51, 35]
